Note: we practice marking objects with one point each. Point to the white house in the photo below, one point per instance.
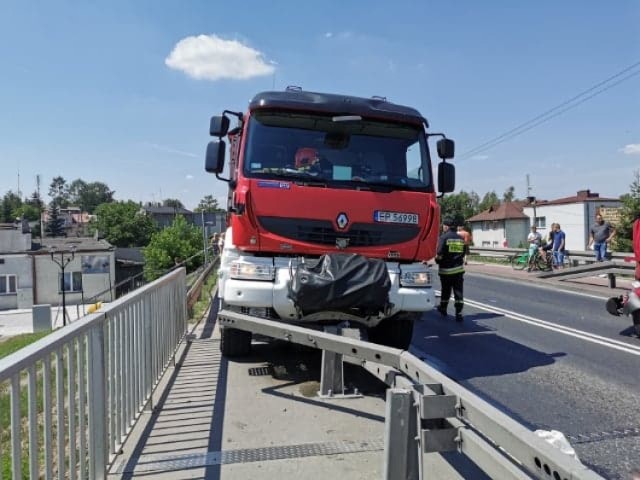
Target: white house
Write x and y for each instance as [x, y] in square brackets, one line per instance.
[575, 214]
[16, 267]
[505, 221]
[29, 276]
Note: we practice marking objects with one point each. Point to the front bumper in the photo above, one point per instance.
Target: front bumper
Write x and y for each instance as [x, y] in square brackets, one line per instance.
[274, 295]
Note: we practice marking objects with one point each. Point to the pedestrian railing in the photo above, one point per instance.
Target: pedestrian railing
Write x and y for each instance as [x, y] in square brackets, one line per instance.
[74, 396]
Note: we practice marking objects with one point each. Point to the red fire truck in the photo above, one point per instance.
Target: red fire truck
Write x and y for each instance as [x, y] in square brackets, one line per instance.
[333, 214]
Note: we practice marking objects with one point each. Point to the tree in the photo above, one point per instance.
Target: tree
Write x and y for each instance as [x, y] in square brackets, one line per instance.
[123, 224]
[489, 199]
[59, 192]
[630, 209]
[55, 224]
[461, 205]
[172, 202]
[89, 195]
[10, 204]
[36, 201]
[171, 246]
[509, 194]
[28, 212]
[208, 205]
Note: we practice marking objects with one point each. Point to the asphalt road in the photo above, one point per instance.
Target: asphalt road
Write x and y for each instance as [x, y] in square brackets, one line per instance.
[551, 359]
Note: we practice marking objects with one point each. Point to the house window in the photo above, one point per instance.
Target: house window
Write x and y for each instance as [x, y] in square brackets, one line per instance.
[8, 284]
[541, 222]
[72, 282]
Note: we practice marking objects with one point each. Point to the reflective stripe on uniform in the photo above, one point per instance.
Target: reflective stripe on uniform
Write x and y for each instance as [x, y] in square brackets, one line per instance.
[450, 271]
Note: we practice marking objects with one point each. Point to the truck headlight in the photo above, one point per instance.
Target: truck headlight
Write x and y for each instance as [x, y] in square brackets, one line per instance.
[242, 270]
[415, 279]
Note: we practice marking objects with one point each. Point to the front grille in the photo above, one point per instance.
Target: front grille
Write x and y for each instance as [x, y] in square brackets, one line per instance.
[322, 231]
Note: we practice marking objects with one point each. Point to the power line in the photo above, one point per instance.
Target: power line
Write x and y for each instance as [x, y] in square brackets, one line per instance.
[545, 116]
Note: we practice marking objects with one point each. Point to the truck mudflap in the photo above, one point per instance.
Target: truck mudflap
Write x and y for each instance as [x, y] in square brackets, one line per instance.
[342, 282]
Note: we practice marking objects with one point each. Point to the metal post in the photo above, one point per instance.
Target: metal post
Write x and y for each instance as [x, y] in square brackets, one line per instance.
[402, 454]
[62, 263]
[64, 301]
[96, 403]
[204, 237]
[332, 375]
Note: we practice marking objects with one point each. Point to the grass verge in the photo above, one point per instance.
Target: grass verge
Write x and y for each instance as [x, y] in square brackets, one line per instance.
[204, 301]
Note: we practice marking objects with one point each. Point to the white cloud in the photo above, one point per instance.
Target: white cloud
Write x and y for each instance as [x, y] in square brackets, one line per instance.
[631, 149]
[328, 35]
[189, 176]
[480, 157]
[166, 149]
[209, 57]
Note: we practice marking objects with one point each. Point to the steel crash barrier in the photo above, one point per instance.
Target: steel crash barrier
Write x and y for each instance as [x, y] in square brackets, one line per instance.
[76, 394]
[426, 412]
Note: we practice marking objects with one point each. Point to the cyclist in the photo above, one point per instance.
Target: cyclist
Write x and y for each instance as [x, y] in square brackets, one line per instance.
[535, 239]
[549, 245]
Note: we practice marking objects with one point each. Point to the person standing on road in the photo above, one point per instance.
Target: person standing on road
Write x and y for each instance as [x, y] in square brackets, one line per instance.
[466, 236]
[450, 260]
[601, 234]
[558, 246]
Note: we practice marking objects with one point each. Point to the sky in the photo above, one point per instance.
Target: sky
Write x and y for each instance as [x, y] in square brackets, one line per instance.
[122, 92]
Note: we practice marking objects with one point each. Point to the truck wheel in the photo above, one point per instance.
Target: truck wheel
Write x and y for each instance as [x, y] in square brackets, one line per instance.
[394, 332]
[636, 321]
[234, 342]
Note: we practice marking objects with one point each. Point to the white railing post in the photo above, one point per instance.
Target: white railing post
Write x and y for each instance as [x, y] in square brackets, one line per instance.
[97, 405]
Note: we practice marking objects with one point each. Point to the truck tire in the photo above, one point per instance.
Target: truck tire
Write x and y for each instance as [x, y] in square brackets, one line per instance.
[636, 321]
[394, 332]
[234, 342]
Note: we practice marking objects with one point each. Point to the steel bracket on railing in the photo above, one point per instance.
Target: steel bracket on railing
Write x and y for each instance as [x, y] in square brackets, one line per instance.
[332, 370]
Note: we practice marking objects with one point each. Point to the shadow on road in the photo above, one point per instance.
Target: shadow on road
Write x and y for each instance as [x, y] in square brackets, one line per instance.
[468, 350]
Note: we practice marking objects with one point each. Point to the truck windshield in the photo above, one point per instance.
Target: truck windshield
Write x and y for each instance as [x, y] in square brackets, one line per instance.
[341, 153]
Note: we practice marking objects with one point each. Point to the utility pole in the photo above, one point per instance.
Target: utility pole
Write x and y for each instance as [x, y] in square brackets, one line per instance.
[62, 263]
[532, 200]
[40, 207]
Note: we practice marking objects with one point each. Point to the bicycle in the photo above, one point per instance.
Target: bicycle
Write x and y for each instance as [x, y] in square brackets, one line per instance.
[535, 261]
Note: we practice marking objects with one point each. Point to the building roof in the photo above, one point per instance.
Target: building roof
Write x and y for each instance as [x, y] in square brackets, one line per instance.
[64, 244]
[131, 256]
[504, 211]
[580, 197]
[167, 211]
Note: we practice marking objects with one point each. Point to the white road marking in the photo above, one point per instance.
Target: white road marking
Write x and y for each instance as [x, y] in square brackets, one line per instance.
[572, 332]
[554, 288]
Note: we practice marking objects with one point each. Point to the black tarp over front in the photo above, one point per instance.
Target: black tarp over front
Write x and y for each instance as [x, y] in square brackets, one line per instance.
[341, 282]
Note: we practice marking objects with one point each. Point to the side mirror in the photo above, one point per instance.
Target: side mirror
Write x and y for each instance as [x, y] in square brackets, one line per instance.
[214, 161]
[219, 126]
[446, 177]
[446, 148]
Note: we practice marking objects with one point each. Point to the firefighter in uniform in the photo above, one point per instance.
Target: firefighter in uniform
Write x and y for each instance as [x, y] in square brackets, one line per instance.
[450, 260]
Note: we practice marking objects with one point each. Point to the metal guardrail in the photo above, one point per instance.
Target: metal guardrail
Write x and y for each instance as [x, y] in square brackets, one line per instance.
[427, 412]
[88, 383]
[587, 255]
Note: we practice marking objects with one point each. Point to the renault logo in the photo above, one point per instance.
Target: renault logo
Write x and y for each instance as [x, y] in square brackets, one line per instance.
[342, 220]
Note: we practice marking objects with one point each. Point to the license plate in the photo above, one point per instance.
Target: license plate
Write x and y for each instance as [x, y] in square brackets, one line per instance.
[395, 217]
